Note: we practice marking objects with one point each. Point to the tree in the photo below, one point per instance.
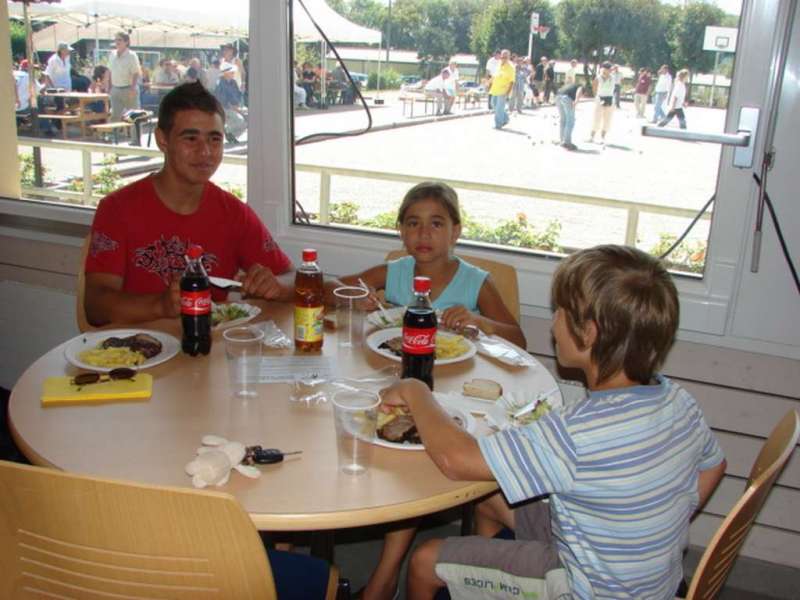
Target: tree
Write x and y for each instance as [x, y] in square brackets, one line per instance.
[688, 33]
[506, 24]
[594, 30]
[17, 39]
[687, 36]
[647, 43]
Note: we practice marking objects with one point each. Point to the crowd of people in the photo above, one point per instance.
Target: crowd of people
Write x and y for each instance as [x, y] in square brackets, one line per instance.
[130, 86]
[308, 90]
[513, 84]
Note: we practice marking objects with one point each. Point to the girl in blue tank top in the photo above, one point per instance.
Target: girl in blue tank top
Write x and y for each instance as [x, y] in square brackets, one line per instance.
[429, 222]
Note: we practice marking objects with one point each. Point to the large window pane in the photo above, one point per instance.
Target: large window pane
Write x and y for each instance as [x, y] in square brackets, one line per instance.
[518, 186]
[79, 120]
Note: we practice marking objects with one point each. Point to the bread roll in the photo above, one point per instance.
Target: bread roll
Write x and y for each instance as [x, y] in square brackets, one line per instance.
[483, 388]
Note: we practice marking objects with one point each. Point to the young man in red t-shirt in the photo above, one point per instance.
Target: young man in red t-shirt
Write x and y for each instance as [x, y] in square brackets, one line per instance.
[140, 233]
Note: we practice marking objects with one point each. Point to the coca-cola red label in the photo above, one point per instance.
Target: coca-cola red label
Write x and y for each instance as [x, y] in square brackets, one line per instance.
[196, 303]
[419, 341]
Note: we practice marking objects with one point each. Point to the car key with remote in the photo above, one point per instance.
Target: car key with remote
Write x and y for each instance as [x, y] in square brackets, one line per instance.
[265, 456]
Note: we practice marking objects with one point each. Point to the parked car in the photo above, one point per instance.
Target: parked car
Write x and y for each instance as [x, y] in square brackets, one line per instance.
[361, 79]
[472, 86]
[410, 79]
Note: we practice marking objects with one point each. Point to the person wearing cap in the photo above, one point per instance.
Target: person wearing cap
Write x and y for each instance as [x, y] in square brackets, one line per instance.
[125, 73]
[142, 231]
[57, 72]
[230, 97]
[230, 56]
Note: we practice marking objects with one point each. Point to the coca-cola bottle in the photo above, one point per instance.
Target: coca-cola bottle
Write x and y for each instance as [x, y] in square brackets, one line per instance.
[195, 305]
[419, 334]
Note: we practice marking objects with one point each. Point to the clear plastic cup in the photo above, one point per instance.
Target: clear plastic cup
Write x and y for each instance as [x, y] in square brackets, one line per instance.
[356, 416]
[243, 352]
[350, 310]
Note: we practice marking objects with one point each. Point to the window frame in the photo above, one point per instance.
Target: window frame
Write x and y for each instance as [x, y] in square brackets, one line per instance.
[706, 304]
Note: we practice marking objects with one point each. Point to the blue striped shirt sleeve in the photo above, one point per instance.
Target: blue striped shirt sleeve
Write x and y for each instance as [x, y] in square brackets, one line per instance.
[532, 460]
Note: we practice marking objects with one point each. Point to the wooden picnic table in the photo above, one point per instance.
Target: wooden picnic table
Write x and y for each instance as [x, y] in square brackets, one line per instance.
[79, 113]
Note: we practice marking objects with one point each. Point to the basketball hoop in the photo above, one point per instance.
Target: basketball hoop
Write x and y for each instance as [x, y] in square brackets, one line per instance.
[543, 31]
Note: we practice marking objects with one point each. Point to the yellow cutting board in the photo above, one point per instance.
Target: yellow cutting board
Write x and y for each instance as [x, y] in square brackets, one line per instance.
[60, 391]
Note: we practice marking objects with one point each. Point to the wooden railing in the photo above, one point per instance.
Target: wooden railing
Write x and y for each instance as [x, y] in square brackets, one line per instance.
[633, 209]
[87, 197]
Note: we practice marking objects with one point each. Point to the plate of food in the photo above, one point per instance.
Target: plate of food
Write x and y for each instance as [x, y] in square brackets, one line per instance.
[514, 409]
[390, 317]
[103, 351]
[230, 314]
[450, 347]
[398, 431]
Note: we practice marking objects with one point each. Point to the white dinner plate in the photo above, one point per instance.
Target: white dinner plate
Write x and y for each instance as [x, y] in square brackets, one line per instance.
[376, 338]
[252, 313]
[390, 317]
[170, 346]
[467, 419]
[500, 414]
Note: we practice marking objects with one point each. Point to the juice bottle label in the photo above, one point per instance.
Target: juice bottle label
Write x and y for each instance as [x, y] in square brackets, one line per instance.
[308, 322]
[419, 341]
[196, 303]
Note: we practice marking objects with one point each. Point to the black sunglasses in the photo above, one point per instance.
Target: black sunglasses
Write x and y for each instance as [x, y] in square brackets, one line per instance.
[113, 375]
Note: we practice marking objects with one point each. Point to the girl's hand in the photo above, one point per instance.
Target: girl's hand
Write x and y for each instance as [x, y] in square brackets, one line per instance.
[458, 317]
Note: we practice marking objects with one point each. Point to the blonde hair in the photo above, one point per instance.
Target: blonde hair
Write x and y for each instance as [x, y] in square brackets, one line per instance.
[632, 300]
[431, 190]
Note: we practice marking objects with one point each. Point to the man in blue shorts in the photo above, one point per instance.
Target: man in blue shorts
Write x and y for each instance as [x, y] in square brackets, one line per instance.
[623, 471]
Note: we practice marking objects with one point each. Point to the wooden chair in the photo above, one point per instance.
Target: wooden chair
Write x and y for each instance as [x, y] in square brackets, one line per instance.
[64, 535]
[719, 556]
[80, 306]
[504, 277]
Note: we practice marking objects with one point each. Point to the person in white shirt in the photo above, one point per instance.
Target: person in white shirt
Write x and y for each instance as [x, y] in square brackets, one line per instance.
[22, 90]
[660, 93]
[455, 76]
[438, 88]
[57, 72]
[125, 73]
[677, 99]
[569, 77]
[604, 103]
[491, 68]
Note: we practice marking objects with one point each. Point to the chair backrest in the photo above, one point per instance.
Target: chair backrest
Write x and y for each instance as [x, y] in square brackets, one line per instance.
[64, 535]
[80, 306]
[504, 277]
[721, 552]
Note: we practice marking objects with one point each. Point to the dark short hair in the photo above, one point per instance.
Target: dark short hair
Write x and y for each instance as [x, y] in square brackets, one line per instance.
[123, 36]
[230, 46]
[431, 190]
[187, 96]
[632, 300]
[99, 72]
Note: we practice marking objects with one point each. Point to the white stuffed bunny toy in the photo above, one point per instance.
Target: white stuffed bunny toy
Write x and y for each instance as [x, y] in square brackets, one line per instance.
[214, 461]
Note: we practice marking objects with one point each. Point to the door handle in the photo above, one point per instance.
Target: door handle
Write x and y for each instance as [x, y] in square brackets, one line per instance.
[744, 139]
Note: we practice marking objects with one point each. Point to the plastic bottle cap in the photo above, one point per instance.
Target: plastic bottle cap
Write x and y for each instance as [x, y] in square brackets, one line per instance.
[195, 252]
[309, 255]
[422, 284]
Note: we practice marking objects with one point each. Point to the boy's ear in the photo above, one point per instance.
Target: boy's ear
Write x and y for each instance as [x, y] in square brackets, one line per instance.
[589, 334]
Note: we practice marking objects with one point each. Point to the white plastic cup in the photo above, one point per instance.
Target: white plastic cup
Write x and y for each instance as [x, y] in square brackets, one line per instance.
[350, 308]
[355, 414]
[243, 351]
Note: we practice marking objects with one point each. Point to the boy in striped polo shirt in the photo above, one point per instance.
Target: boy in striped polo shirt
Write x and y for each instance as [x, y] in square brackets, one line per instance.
[624, 469]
